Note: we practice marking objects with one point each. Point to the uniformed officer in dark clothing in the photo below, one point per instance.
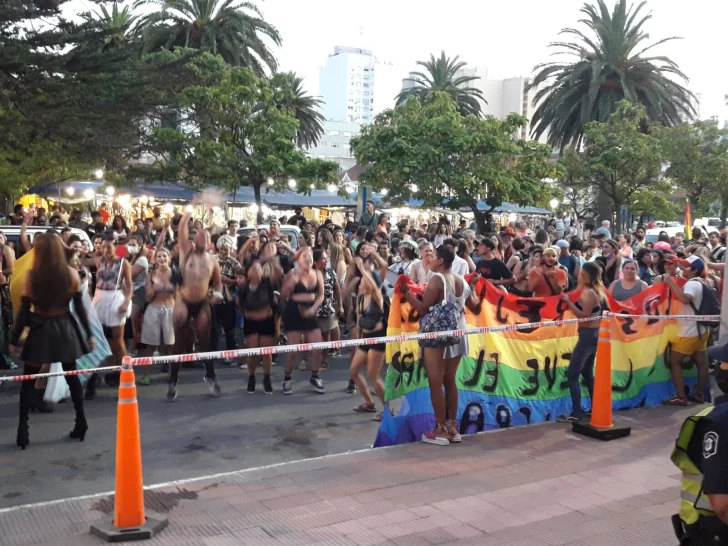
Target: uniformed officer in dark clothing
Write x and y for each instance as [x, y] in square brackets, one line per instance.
[701, 452]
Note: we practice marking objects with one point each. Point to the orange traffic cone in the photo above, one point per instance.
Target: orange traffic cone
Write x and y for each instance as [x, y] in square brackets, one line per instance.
[601, 426]
[130, 520]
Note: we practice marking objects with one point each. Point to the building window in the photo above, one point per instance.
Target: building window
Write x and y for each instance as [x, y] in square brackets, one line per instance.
[332, 133]
[347, 133]
[334, 145]
[365, 85]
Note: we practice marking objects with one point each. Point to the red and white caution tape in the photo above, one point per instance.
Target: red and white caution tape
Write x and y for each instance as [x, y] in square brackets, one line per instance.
[214, 355]
[304, 347]
[685, 318]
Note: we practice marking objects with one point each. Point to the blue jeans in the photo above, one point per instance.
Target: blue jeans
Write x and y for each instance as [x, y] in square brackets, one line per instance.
[582, 364]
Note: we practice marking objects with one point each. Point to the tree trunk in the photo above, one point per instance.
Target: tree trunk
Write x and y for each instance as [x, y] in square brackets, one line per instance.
[259, 202]
[617, 219]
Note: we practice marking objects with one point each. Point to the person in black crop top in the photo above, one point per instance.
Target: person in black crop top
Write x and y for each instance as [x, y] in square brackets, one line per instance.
[304, 290]
[371, 323]
[256, 301]
[585, 351]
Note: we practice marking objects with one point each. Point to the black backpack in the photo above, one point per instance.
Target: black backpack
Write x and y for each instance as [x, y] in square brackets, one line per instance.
[709, 305]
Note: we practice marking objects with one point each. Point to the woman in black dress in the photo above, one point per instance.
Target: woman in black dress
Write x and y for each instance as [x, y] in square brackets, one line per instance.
[53, 334]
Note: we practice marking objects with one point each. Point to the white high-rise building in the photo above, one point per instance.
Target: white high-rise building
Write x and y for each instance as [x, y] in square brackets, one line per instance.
[355, 86]
[347, 85]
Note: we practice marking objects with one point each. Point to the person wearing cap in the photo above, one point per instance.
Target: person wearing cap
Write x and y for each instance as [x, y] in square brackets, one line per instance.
[701, 453]
[491, 268]
[507, 237]
[297, 219]
[571, 263]
[691, 341]
[548, 280]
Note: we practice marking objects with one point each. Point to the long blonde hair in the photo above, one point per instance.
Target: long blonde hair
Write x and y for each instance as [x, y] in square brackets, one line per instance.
[336, 252]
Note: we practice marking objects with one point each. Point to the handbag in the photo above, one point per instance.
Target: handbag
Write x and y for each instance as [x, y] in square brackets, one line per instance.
[442, 317]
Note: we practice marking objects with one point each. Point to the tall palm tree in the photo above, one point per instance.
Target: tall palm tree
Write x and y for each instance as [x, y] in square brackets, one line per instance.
[116, 21]
[232, 29]
[442, 75]
[304, 107]
[610, 66]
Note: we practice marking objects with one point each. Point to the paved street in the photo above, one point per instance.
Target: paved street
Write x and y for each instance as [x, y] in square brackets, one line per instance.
[194, 436]
[527, 486]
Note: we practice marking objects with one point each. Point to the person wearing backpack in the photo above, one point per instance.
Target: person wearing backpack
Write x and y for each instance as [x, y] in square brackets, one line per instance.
[696, 298]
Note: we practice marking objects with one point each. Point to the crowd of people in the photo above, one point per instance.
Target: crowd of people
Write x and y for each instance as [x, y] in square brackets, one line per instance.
[175, 286]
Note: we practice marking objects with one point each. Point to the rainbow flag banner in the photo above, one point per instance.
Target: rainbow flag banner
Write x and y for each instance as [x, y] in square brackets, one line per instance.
[519, 377]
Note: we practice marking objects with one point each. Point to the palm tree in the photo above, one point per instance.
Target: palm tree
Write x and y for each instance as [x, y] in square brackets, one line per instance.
[442, 75]
[233, 29]
[116, 21]
[609, 66]
[304, 107]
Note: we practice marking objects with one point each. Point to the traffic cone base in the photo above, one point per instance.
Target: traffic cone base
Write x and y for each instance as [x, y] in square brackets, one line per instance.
[131, 521]
[600, 433]
[106, 530]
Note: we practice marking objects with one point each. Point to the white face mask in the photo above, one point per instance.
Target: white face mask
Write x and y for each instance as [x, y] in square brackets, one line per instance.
[133, 250]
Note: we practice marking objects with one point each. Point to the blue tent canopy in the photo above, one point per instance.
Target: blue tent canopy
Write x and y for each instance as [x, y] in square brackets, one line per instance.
[287, 198]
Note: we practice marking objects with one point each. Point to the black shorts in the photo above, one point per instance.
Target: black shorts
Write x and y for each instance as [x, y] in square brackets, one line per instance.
[263, 327]
[294, 322]
[377, 347]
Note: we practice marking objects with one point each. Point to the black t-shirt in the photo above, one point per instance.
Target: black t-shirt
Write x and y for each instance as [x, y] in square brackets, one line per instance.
[708, 448]
[493, 269]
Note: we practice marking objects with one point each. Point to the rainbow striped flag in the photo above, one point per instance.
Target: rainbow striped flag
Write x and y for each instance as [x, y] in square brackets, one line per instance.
[688, 222]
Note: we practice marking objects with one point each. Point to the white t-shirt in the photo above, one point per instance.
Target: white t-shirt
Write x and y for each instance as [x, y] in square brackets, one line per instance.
[460, 266]
[141, 279]
[685, 328]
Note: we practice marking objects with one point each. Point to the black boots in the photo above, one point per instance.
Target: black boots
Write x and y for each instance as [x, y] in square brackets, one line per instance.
[74, 385]
[27, 393]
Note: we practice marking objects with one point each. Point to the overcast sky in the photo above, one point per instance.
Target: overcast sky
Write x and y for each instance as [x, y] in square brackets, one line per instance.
[508, 37]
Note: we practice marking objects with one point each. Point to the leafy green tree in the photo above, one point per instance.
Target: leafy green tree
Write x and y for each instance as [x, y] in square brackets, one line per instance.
[302, 106]
[605, 64]
[232, 29]
[75, 104]
[621, 160]
[697, 156]
[232, 134]
[648, 204]
[576, 190]
[432, 152]
[441, 75]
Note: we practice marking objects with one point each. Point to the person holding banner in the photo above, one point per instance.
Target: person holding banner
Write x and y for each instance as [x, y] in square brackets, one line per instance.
[585, 351]
[441, 361]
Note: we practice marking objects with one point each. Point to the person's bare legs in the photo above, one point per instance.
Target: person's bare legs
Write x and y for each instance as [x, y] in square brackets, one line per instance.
[435, 368]
[677, 373]
[314, 336]
[701, 362]
[294, 338]
[375, 361]
[451, 390]
[325, 336]
[252, 342]
[358, 361]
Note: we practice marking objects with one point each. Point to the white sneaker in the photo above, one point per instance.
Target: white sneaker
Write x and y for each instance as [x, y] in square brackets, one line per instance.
[213, 387]
[317, 384]
[286, 387]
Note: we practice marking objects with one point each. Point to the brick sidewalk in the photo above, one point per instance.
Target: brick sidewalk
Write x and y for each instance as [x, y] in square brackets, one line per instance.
[529, 486]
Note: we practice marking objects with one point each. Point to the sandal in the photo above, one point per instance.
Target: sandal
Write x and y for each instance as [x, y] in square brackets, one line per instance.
[378, 417]
[675, 401]
[366, 408]
[438, 437]
[697, 398]
[453, 434]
